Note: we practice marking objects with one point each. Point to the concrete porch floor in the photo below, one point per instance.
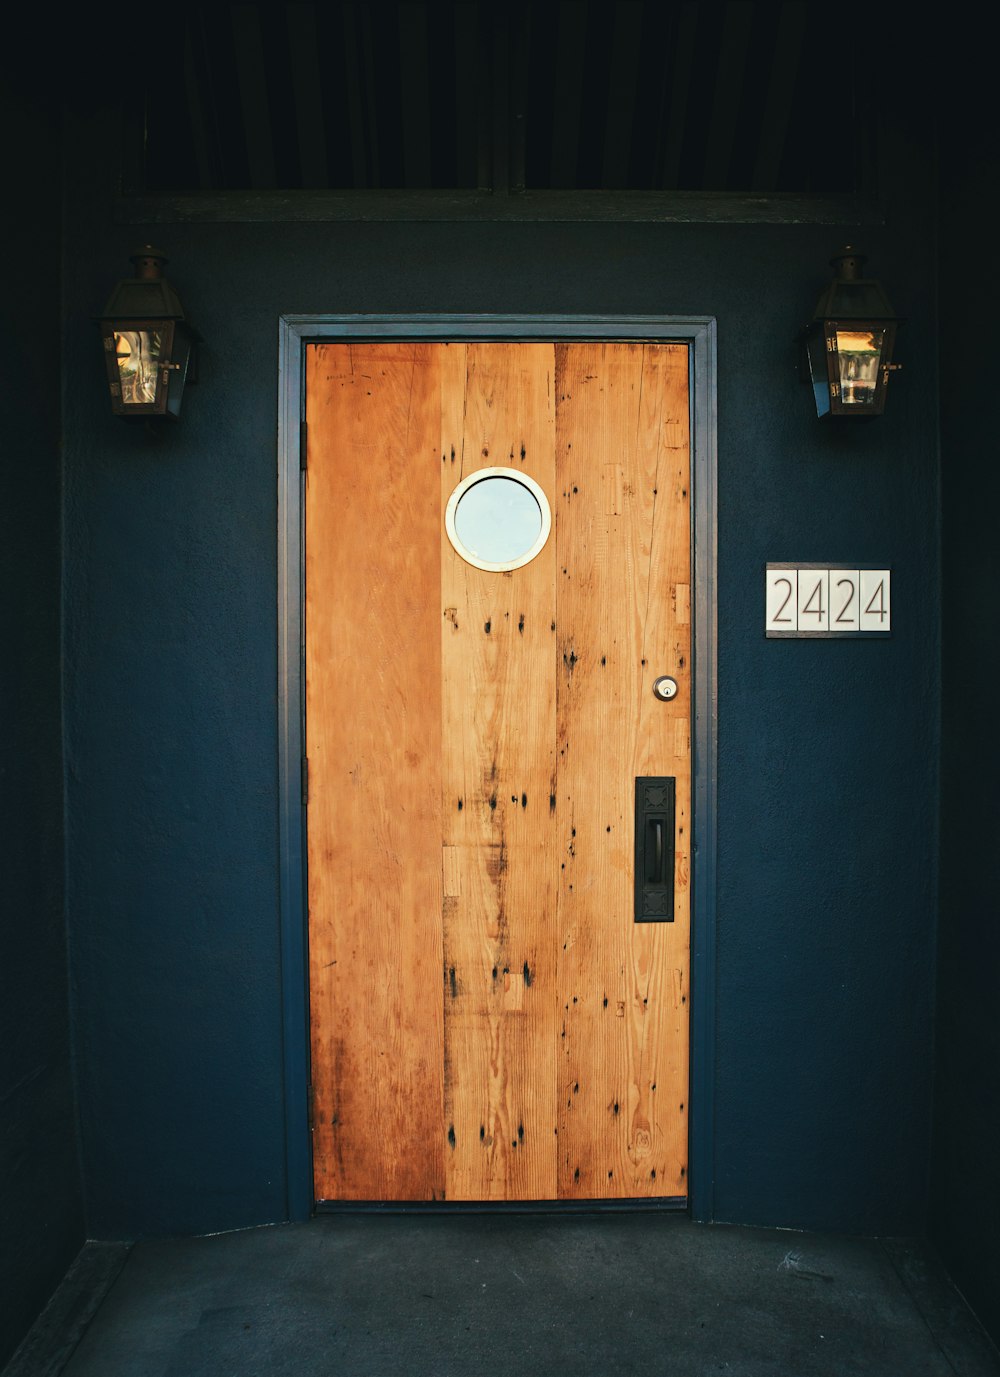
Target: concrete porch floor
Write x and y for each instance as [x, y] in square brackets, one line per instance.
[437, 1296]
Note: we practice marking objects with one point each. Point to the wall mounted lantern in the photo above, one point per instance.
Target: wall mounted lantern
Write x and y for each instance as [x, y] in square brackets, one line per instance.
[848, 345]
[149, 346]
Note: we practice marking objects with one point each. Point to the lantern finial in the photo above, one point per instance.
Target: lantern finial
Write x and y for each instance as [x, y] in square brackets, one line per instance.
[847, 264]
[149, 263]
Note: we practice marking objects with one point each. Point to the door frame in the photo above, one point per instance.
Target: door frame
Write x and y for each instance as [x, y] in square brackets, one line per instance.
[295, 333]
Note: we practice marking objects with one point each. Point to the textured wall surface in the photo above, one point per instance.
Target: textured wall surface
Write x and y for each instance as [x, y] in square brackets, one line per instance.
[965, 1218]
[41, 1217]
[827, 749]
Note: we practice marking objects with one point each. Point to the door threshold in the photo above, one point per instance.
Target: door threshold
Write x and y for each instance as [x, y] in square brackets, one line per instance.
[670, 1203]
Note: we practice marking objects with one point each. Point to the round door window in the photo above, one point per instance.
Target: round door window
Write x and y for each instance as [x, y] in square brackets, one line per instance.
[498, 519]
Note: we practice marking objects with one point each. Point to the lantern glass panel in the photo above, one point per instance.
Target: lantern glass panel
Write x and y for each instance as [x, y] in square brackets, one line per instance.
[138, 354]
[859, 352]
[816, 358]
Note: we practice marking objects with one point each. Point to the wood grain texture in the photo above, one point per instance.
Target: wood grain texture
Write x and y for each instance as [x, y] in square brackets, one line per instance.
[623, 539]
[373, 703]
[489, 1023]
[497, 777]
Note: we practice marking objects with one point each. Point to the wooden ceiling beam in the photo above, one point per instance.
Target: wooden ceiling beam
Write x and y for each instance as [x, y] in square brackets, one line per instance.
[249, 52]
[415, 100]
[625, 47]
[780, 91]
[364, 141]
[679, 95]
[472, 113]
[304, 48]
[725, 103]
[571, 51]
[196, 112]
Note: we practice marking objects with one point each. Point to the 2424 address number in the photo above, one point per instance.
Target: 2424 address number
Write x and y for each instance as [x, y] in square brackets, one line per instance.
[827, 600]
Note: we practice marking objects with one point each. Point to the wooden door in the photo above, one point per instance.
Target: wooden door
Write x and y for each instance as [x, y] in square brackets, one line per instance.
[489, 1020]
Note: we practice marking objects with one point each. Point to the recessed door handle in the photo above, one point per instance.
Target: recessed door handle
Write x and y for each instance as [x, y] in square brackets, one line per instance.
[654, 852]
[654, 849]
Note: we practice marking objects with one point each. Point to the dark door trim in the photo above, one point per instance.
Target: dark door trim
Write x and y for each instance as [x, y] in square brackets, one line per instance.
[295, 331]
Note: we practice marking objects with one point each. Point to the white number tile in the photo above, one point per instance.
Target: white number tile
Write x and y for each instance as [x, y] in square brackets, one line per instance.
[844, 599]
[814, 600]
[874, 600]
[781, 613]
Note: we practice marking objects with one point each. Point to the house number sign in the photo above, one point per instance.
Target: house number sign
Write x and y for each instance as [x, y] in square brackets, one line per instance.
[825, 600]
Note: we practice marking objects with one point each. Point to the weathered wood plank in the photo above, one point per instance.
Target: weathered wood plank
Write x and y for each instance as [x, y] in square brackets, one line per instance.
[498, 747]
[623, 550]
[665, 748]
[373, 701]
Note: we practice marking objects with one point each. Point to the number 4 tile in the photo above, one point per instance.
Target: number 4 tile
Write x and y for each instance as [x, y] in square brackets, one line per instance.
[814, 600]
[874, 600]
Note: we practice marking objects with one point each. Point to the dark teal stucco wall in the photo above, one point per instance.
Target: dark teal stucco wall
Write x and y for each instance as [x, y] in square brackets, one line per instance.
[965, 1201]
[827, 750]
[41, 1208]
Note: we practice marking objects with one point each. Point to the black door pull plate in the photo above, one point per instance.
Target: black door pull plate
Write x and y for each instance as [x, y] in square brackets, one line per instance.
[654, 850]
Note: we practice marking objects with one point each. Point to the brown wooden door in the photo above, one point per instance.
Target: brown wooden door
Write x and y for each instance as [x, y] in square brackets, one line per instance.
[489, 1022]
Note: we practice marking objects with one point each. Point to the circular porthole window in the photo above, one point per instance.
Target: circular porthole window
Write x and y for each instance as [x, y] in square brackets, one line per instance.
[498, 519]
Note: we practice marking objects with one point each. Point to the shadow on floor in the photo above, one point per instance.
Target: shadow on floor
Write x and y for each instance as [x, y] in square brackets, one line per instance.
[355, 1295]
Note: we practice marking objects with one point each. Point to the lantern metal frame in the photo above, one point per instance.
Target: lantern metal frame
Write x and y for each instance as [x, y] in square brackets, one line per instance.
[851, 305]
[143, 309]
